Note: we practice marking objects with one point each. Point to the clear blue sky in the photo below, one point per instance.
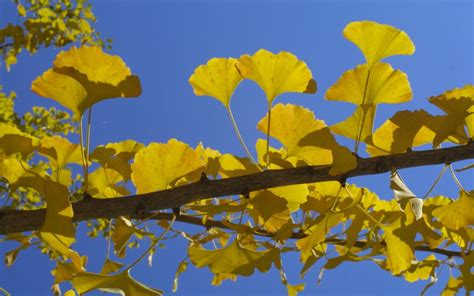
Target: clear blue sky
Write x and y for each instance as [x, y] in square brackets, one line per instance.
[163, 41]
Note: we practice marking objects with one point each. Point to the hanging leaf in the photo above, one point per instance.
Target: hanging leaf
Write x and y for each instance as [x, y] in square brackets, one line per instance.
[84, 76]
[307, 138]
[234, 259]
[12, 141]
[378, 41]
[277, 73]
[458, 213]
[404, 195]
[217, 79]
[159, 166]
[110, 266]
[121, 283]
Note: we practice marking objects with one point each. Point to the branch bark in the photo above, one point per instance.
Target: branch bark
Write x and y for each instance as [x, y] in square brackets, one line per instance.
[12, 221]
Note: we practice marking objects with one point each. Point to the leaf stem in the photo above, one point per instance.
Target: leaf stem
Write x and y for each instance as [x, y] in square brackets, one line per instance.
[436, 181]
[241, 140]
[81, 140]
[458, 183]
[152, 245]
[268, 134]
[360, 124]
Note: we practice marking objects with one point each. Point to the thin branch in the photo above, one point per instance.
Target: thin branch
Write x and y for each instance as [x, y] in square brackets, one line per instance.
[209, 223]
[12, 221]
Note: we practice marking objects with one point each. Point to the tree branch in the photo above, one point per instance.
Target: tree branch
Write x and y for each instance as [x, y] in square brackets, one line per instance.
[295, 235]
[12, 221]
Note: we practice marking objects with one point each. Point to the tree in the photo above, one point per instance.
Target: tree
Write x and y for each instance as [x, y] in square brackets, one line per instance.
[279, 196]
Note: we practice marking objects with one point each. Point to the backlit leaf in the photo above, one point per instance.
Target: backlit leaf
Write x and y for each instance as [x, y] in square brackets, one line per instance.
[308, 138]
[277, 73]
[217, 79]
[158, 166]
[84, 76]
[400, 239]
[378, 41]
[233, 258]
[121, 283]
[458, 213]
[110, 266]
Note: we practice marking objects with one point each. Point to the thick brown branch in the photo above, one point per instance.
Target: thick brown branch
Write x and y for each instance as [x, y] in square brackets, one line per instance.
[12, 221]
[295, 235]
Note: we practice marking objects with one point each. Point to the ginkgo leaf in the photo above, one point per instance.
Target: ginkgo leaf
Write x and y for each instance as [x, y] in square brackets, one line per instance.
[97, 65]
[217, 79]
[121, 283]
[422, 270]
[317, 233]
[158, 166]
[12, 141]
[233, 258]
[408, 129]
[376, 85]
[84, 76]
[123, 230]
[400, 239]
[65, 270]
[404, 195]
[103, 184]
[11, 169]
[110, 266]
[210, 158]
[378, 41]
[307, 138]
[459, 104]
[458, 213]
[452, 286]
[117, 156]
[366, 87]
[293, 290]
[360, 122]
[60, 151]
[277, 73]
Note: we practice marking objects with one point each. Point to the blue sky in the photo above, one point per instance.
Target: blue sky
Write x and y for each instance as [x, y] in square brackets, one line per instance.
[163, 41]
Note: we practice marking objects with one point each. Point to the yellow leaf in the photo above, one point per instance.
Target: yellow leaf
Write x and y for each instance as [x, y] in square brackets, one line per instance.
[11, 169]
[466, 271]
[378, 41]
[12, 140]
[277, 73]
[123, 230]
[103, 184]
[110, 266]
[70, 293]
[159, 166]
[458, 103]
[400, 239]
[210, 158]
[65, 271]
[457, 214]
[294, 289]
[60, 151]
[295, 195]
[408, 129]
[317, 233]
[219, 277]
[233, 166]
[84, 76]
[217, 79]
[233, 258]
[359, 123]
[384, 85]
[305, 137]
[422, 270]
[452, 286]
[121, 283]
[263, 199]
[183, 265]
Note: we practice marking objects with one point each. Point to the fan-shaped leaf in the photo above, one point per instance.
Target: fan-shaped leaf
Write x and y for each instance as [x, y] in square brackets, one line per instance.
[378, 41]
[159, 166]
[217, 79]
[277, 73]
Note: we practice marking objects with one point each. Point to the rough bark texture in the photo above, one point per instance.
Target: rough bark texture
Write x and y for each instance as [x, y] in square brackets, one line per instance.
[12, 221]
